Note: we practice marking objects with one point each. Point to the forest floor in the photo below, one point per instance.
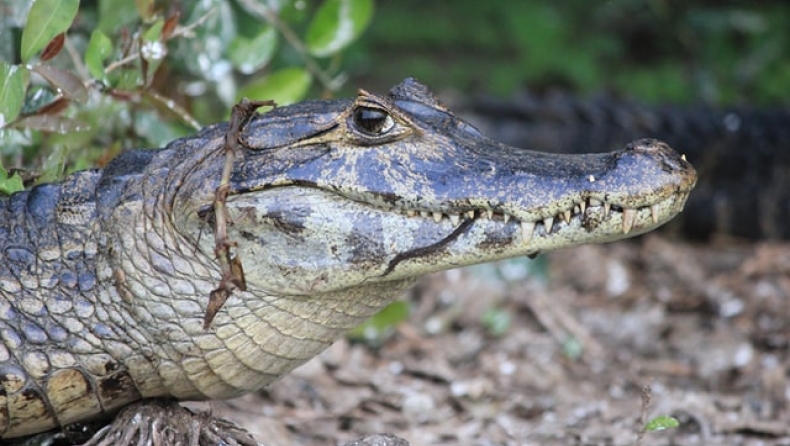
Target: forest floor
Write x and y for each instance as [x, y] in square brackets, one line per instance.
[611, 336]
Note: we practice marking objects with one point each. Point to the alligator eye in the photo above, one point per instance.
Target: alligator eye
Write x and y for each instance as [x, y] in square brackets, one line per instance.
[373, 121]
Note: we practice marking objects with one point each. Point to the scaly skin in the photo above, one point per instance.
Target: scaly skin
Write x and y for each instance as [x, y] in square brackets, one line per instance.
[336, 208]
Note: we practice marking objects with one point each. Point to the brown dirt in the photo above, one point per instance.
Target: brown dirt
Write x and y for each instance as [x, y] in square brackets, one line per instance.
[705, 327]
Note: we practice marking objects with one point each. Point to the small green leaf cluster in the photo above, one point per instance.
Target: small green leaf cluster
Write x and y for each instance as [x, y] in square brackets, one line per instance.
[661, 422]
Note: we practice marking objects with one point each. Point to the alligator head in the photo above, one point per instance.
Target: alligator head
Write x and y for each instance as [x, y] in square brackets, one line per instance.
[337, 206]
[342, 193]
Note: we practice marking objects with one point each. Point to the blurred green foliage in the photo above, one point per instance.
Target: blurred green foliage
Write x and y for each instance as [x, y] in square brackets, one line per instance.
[80, 82]
[655, 50]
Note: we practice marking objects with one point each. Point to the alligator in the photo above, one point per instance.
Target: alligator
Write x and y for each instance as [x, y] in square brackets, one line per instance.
[334, 208]
[740, 151]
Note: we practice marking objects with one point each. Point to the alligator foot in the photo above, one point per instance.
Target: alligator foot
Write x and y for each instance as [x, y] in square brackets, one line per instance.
[165, 423]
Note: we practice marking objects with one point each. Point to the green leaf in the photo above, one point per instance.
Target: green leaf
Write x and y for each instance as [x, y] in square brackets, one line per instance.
[497, 321]
[661, 423]
[114, 15]
[53, 166]
[154, 32]
[99, 49]
[145, 8]
[156, 131]
[375, 329]
[572, 348]
[47, 19]
[336, 24]
[285, 87]
[250, 55]
[13, 83]
[127, 80]
[9, 185]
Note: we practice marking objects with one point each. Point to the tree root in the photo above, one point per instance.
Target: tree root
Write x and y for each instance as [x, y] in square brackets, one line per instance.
[166, 423]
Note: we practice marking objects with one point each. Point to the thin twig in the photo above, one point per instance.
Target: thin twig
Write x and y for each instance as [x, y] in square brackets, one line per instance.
[231, 270]
[647, 396]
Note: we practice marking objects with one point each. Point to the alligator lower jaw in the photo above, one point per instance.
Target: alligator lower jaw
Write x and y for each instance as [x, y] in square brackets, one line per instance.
[591, 214]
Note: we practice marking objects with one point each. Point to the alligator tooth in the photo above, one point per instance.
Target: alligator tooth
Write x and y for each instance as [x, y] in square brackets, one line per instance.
[606, 208]
[654, 212]
[411, 213]
[680, 201]
[527, 229]
[583, 206]
[437, 217]
[594, 202]
[548, 223]
[425, 214]
[566, 215]
[490, 214]
[455, 219]
[470, 214]
[506, 217]
[629, 215]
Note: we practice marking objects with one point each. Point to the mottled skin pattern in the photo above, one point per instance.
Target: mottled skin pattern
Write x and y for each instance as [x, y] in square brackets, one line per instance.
[336, 206]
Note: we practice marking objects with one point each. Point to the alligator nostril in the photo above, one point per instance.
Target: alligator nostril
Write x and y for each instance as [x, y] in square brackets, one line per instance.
[666, 156]
[650, 146]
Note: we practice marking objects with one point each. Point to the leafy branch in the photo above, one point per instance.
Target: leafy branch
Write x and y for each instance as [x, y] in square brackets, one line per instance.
[151, 72]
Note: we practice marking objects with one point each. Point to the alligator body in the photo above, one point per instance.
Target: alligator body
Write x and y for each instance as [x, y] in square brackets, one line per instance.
[335, 208]
[740, 152]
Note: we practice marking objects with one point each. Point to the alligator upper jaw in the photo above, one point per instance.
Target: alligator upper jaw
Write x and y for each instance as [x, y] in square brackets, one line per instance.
[559, 200]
